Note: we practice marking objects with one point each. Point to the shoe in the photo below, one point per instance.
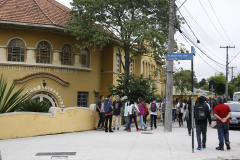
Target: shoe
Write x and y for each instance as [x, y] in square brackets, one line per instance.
[218, 148]
[145, 128]
[228, 145]
[204, 147]
[199, 148]
[151, 128]
[189, 134]
[111, 131]
[118, 128]
[155, 127]
[106, 131]
[113, 128]
[137, 129]
[129, 130]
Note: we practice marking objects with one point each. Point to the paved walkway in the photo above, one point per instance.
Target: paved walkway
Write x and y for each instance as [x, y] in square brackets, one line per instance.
[120, 145]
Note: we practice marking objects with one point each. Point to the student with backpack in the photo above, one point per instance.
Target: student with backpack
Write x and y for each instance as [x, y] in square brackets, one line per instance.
[101, 112]
[153, 107]
[201, 114]
[126, 117]
[180, 106]
[108, 113]
[141, 113]
[133, 113]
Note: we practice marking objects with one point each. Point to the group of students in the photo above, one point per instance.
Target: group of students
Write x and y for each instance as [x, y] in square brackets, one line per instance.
[202, 116]
[108, 109]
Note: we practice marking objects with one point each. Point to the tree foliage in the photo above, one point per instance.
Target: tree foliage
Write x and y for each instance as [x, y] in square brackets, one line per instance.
[182, 80]
[34, 106]
[202, 83]
[135, 26]
[138, 87]
[220, 81]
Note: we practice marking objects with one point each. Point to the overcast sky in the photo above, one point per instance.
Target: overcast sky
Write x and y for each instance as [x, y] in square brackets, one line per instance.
[215, 23]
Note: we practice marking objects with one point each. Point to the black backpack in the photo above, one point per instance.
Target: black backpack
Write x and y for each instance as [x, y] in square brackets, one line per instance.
[153, 107]
[200, 111]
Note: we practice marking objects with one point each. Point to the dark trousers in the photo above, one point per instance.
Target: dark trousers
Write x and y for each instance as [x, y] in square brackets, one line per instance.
[189, 125]
[223, 133]
[102, 119]
[130, 121]
[163, 117]
[145, 118]
[108, 118]
[201, 129]
[180, 119]
[173, 115]
[154, 118]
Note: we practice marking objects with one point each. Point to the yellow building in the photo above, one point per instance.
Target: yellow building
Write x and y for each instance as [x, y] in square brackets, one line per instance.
[36, 52]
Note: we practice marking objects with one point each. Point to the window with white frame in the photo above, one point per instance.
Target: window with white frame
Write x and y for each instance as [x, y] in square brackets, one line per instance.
[67, 54]
[118, 63]
[43, 52]
[82, 99]
[84, 57]
[16, 50]
[131, 68]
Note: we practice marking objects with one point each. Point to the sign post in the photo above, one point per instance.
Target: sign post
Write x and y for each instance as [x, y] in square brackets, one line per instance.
[212, 89]
[186, 56]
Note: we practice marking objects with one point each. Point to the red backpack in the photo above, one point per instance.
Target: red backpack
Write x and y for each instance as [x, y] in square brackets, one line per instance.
[145, 109]
[153, 107]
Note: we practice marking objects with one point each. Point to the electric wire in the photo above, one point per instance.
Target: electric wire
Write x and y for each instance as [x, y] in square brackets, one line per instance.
[219, 21]
[212, 22]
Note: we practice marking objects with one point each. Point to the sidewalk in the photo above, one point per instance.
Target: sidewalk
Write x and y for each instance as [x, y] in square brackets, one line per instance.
[120, 145]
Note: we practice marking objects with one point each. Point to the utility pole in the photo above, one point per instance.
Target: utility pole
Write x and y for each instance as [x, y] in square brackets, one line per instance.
[232, 72]
[226, 89]
[169, 83]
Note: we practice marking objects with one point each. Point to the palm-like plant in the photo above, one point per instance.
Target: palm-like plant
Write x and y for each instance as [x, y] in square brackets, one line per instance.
[34, 106]
[9, 101]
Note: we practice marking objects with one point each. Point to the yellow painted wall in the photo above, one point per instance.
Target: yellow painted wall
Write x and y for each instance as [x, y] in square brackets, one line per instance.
[84, 81]
[16, 125]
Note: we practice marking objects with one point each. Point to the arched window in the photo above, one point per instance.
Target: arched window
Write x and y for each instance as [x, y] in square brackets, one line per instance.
[44, 96]
[67, 52]
[16, 50]
[43, 52]
[84, 57]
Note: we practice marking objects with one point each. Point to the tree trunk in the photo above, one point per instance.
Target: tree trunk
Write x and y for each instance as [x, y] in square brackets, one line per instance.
[126, 70]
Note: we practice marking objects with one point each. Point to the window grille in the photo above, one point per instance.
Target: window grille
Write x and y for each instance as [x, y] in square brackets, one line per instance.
[43, 52]
[84, 57]
[67, 52]
[16, 50]
[118, 63]
[82, 99]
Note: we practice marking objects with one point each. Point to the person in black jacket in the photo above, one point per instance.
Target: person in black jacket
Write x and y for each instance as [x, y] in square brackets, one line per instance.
[101, 112]
[202, 114]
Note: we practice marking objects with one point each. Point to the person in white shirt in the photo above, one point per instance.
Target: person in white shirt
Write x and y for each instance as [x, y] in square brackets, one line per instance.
[153, 107]
[132, 116]
[181, 105]
[126, 117]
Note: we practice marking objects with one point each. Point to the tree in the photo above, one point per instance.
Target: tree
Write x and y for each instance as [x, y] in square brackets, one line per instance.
[182, 80]
[138, 87]
[202, 83]
[220, 81]
[134, 25]
[231, 89]
[10, 101]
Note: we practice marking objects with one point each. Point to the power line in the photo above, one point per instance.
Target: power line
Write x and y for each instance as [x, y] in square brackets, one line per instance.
[219, 21]
[212, 22]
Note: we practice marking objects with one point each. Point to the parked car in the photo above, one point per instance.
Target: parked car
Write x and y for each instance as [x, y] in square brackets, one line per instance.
[234, 120]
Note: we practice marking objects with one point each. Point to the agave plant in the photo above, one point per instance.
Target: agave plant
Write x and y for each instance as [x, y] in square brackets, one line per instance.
[10, 101]
[33, 105]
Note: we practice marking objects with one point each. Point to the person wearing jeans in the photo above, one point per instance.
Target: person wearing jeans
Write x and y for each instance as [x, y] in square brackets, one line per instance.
[132, 116]
[222, 113]
[141, 113]
[108, 113]
[153, 107]
[117, 112]
[101, 112]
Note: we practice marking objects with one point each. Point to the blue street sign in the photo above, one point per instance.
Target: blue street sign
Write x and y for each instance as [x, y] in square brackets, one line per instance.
[193, 50]
[179, 56]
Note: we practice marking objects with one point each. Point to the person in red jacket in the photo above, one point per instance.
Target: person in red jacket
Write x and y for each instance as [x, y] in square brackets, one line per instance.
[222, 113]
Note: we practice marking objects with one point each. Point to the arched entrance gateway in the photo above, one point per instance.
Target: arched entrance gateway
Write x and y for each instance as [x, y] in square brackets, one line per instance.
[47, 97]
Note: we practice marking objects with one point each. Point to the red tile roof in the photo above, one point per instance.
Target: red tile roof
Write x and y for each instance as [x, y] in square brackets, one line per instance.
[47, 12]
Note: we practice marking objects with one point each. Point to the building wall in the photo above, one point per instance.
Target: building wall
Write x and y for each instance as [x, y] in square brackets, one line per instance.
[80, 78]
[16, 125]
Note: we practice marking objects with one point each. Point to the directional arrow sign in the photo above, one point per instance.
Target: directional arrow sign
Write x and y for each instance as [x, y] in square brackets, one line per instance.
[179, 56]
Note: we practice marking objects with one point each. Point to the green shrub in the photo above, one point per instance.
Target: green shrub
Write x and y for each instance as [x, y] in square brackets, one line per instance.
[34, 106]
[10, 101]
